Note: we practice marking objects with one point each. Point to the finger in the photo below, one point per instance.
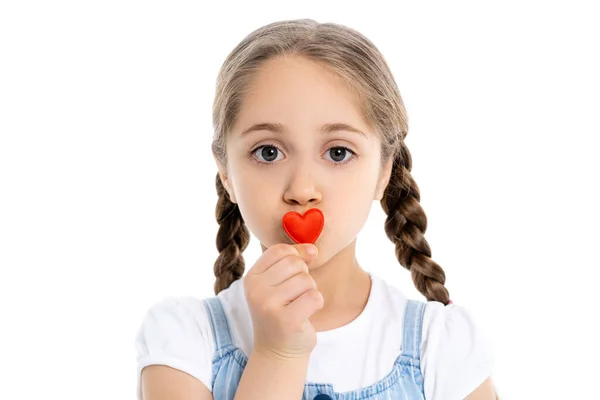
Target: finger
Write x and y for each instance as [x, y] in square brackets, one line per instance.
[293, 287]
[277, 252]
[307, 251]
[284, 269]
[272, 255]
[306, 304]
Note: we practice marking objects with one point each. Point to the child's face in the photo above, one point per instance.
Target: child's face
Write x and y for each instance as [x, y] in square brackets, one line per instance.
[302, 167]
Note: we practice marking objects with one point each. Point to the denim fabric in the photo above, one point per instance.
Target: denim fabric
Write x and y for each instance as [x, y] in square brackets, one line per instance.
[404, 382]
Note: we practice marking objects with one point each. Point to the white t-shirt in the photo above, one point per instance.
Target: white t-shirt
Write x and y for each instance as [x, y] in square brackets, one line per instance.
[455, 354]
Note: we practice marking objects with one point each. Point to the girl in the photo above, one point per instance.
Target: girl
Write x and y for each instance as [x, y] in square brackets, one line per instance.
[308, 116]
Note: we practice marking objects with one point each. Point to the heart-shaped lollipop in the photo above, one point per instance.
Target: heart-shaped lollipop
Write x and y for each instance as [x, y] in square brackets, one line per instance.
[304, 228]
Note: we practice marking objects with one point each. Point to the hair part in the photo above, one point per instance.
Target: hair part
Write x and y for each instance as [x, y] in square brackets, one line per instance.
[359, 63]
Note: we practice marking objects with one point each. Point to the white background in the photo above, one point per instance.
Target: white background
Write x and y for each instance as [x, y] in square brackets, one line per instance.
[107, 181]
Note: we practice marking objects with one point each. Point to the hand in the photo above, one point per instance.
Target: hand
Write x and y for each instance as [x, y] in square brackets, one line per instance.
[281, 296]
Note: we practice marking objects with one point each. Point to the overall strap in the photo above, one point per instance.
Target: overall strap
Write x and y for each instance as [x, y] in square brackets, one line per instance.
[218, 321]
[413, 324]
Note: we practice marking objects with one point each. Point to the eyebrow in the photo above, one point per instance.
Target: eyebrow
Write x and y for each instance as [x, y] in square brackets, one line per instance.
[326, 128]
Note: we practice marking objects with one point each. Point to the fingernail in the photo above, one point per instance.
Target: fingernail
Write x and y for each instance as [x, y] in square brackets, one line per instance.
[311, 249]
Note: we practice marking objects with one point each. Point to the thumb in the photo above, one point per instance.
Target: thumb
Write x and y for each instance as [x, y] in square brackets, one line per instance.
[307, 251]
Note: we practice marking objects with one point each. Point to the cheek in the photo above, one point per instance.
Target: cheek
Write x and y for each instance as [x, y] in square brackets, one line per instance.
[257, 199]
[349, 204]
[349, 213]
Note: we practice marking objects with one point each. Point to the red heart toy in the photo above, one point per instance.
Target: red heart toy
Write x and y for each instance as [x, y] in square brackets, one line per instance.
[304, 228]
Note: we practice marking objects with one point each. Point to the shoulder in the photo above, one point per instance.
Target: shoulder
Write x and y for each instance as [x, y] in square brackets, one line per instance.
[173, 325]
[456, 354]
[176, 332]
[179, 325]
[176, 317]
[391, 300]
[169, 306]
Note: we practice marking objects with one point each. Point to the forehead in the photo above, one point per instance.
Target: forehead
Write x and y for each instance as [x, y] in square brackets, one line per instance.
[295, 91]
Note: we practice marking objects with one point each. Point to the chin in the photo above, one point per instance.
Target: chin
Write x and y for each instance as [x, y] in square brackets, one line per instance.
[315, 263]
[321, 259]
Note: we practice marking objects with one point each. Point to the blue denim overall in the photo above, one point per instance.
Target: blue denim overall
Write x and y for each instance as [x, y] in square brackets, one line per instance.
[404, 382]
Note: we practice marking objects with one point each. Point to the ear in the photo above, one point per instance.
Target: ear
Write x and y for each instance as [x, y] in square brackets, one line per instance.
[384, 179]
[225, 180]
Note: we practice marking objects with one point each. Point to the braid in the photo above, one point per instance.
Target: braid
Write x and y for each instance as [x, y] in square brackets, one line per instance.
[232, 239]
[405, 225]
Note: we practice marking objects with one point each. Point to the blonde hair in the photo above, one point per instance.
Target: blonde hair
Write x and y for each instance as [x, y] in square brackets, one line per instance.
[359, 63]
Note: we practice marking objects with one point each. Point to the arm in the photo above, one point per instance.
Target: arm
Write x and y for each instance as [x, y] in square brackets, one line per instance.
[485, 391]
[269, 377]
[265, 377]
[281, 295]
[160, 382]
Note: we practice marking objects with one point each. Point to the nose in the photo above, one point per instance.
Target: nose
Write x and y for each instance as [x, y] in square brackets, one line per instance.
[302, 188]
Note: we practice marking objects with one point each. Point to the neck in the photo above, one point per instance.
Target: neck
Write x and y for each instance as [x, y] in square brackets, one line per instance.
[337, 276]
[345, 287]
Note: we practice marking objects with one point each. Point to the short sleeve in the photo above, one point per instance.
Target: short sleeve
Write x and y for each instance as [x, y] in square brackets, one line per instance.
[176, 332]
[456, 355]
